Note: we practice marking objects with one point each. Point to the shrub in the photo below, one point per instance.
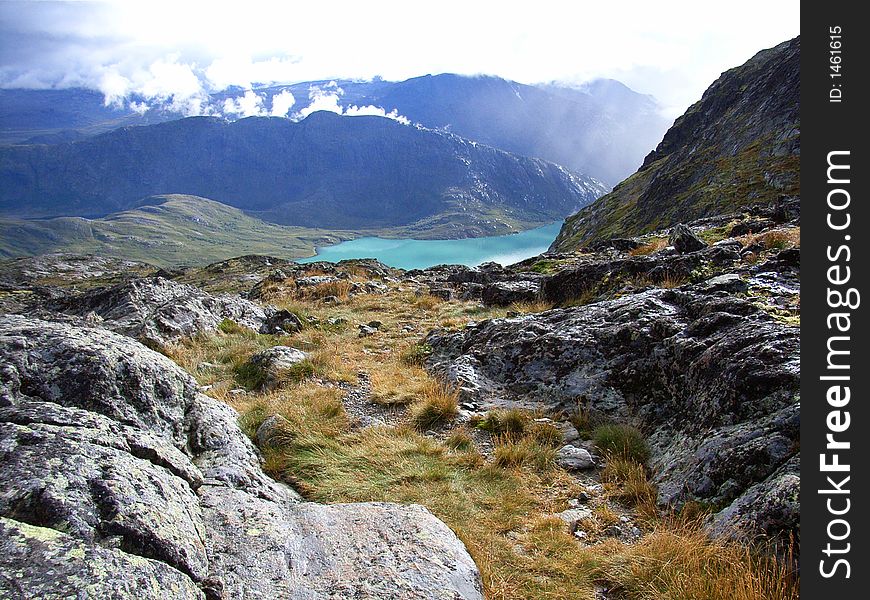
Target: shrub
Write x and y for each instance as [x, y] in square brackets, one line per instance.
[622, 441]
[415, 355]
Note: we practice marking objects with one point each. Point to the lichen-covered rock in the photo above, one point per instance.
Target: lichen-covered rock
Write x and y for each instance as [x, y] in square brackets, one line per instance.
[712, 380]
[119, 480]
[505, 293]
[160, 311]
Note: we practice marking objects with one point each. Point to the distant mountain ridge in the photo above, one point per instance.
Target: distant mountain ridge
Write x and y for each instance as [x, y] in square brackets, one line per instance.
[737, 146]
[602, 128]
[326, 171]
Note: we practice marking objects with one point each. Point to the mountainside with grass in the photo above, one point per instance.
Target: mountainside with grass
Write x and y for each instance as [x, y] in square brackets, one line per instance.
[326, 171]
[738, 146]
[162, 230]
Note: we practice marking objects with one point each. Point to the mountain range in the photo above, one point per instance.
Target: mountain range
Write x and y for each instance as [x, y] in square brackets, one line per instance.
[326, 171]
[603, 128]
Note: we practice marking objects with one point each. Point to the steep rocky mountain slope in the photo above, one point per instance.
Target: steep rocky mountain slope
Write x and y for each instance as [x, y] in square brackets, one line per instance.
[739, 145]
[602, 128]
[163, 230]
[326, 171]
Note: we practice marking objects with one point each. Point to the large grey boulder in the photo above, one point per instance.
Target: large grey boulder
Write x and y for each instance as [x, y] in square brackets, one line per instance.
[684, 240]
[712, 380]
[119, 480]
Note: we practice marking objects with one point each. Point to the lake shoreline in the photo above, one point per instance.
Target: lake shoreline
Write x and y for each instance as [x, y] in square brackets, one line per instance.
[408, 253]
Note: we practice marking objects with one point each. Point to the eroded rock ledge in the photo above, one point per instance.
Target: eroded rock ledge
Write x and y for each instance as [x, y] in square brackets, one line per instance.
[710, 378]
[118, 479]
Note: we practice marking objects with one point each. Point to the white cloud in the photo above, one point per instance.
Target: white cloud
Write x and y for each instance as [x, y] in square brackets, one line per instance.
[282, 103]
[672, 48]
[248, 105]
[356, 111]
[328, 97]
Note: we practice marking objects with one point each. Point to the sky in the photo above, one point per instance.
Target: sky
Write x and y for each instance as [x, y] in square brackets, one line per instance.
[141, 53]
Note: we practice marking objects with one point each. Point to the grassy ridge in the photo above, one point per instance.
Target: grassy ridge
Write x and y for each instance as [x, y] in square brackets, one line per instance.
[165, 231]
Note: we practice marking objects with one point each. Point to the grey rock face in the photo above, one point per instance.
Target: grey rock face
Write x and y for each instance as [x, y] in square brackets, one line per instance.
[119, 478]
[160, 310]
[711, 380]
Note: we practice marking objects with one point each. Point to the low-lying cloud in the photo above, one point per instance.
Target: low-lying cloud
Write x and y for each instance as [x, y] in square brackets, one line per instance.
[328, 98]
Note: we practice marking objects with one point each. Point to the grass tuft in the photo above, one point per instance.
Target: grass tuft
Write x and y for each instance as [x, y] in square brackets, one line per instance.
[437, 404]
[621, 441]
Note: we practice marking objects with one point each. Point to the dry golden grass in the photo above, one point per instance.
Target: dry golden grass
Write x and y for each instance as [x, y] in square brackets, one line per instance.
[427, 301]
[512, 451]
[653, 245]
[537, 306]
[682, 563]
[626, 481]
[339, 289]
[774, 239]
[398, 384]
[436, 404]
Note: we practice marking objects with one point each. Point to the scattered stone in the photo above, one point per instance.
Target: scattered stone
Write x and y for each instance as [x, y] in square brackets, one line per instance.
[573, 517]
[574, 459]
[366, 331]
[278, 358]
[684, 240]
[282, 321]
[612, 531]
[730, 282]
[505, 293]
[584, 497]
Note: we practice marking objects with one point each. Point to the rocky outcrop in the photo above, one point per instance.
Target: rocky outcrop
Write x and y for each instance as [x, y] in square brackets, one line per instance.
[118, 479]
[158, 310]
[711, 379]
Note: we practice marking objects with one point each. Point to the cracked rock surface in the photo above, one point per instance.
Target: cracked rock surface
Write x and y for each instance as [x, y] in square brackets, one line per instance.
[712, 380]
[119, 480]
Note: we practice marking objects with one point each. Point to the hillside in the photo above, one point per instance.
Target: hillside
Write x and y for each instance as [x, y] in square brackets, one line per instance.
[327, 171]
[738, 146]
[162, 230]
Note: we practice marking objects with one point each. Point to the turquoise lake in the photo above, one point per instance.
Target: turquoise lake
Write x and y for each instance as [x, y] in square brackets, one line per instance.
[419, 254]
